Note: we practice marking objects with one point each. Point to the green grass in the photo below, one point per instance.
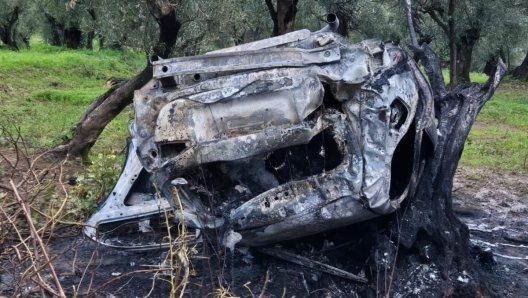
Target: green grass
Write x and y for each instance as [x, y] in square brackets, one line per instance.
[44, 90]
[499, 137]
[475, 77]
[74, 97]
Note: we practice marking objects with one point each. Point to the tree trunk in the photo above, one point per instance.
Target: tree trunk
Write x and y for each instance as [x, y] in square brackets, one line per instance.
[56, 29]
[286, 11]
[463, 63]
[91, 34]
[427, 225]
[344, 19]
[460, 44]
[283, 17]
[169, 26]
[521, 71]
[7, 30]
[460, 65]
[453, 73]
[100, 112]
[463, 47]
[73, 37]
[101, 42]
[89, 40]
[107, 106]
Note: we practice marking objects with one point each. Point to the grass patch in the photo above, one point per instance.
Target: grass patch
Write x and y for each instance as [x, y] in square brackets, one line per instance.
[475, 77]
[499, 137]
[44, 90]
[47, 123]
[75, 97]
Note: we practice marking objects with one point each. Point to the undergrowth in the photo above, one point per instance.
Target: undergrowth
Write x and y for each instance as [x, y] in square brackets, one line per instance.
[93, 185]
[36, 201]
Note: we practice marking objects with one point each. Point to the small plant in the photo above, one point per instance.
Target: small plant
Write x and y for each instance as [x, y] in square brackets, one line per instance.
[93, 186]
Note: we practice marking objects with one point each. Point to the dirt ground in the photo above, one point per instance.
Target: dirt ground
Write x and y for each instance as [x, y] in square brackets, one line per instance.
[493, 205]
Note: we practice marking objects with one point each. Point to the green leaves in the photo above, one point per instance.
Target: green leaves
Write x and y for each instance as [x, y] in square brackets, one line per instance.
[93, 186]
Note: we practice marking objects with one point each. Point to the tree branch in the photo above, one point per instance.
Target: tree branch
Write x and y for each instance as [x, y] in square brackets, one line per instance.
[437, 19]
[273, 15]
[92, 124]
[3, 186]
[271, 9]
[433, 69]
[484, 93]
[407, 7]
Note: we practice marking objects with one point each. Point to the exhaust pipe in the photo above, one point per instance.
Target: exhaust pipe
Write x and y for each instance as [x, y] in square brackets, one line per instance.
[333, 23]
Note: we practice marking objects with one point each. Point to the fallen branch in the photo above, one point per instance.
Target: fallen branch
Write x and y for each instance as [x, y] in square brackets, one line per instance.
[3, 186]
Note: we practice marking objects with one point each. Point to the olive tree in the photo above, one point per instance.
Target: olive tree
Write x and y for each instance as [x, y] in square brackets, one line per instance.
[18, 21]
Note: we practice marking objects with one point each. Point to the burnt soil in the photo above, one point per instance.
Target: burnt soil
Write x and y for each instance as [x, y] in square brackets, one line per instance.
[493, 205]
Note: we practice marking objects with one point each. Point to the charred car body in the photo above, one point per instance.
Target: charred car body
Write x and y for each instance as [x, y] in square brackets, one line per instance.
[275, 139]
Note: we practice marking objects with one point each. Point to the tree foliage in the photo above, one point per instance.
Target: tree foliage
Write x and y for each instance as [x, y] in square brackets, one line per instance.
[467, 25]
[467, 33]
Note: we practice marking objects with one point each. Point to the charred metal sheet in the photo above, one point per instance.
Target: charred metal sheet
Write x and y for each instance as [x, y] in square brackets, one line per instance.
[279, 138]
[242, 146]
[321, 202]
[267, 58]
[251, 110]
[267, 43]
[115, 206]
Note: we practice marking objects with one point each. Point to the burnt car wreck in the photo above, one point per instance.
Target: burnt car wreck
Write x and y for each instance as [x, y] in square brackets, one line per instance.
[275, 139]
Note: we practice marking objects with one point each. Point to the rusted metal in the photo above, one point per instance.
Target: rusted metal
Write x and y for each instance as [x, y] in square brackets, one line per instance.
[226, 115]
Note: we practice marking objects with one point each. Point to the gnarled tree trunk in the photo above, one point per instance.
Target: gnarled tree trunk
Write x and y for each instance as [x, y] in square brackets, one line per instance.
[107, 106]
[463, 68]
[427, 227]
[464, 47]
[8, 29]
[426, 230]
